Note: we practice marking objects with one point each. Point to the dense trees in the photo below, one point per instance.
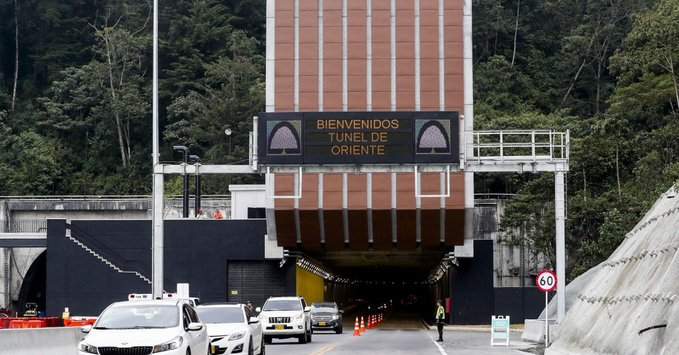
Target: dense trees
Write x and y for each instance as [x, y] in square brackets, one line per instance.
[606, 70]
[83, 88]
[78, 121]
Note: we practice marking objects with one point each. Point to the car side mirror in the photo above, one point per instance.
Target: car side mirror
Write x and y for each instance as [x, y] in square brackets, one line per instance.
[258, 309]
[253, 320]
[307, 309]
[341, 311]
[86, 329]
[194, 327]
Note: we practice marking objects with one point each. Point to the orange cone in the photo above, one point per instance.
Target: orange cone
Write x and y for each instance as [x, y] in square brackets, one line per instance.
[362, 326]
[357, 331]
[370, 321]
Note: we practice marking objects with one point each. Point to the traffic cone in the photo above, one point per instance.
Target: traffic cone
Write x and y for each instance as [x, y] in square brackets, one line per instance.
[362, 326]
[357, 331]
[381, 318]
[370, 322]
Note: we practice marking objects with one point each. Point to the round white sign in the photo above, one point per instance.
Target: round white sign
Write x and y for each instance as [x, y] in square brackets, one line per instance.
[546, 281]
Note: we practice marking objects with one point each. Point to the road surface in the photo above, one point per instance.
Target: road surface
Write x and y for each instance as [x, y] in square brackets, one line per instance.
[397, 338]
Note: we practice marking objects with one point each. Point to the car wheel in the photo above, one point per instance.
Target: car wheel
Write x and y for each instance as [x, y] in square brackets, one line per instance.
[302, 338]
[309, 336]
[338, 330]
[262, 349]
[267, 339]
[188, 351]
[251, 348]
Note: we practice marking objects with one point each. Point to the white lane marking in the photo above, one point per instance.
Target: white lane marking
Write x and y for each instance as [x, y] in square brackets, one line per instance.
[441, 349]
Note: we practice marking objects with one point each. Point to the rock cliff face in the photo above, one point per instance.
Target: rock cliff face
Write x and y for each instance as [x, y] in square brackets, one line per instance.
[630, 305]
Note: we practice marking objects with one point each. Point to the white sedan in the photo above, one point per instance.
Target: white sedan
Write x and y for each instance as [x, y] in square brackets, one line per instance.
[231, 330]
[170, 327]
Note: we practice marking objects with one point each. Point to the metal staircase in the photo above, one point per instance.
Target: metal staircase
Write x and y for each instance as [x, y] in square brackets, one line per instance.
[103, 259]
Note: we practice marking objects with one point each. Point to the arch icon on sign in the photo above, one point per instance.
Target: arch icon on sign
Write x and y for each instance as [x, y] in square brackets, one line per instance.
[284, 138]
[433, 137]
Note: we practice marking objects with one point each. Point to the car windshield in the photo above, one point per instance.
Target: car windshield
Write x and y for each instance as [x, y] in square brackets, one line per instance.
[324, 308]
[282, 305]
[139, 317]
[217, 315]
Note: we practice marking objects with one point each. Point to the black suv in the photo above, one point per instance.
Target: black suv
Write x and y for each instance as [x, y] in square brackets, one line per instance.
[326, 316]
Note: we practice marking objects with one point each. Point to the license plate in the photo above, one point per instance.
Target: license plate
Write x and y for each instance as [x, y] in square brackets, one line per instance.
[280, 327]
[322, 324]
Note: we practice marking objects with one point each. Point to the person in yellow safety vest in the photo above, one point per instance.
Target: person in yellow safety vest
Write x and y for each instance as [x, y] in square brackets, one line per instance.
[440, 319]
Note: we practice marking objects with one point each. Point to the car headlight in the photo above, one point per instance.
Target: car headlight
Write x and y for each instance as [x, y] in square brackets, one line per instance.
[236, 336]
[87, 348]
[335, 317]
[300, 316]
[170, 345]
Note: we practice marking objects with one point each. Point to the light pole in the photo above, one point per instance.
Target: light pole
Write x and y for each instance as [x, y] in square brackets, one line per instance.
[194, 159]
[228, 133]
[157, 242]
[185, 195]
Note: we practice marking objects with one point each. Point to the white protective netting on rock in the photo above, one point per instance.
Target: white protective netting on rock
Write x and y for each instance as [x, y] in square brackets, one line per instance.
[630, 306]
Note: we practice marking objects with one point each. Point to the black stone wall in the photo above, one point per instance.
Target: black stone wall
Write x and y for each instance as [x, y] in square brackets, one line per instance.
[196, 251]
[475, 299]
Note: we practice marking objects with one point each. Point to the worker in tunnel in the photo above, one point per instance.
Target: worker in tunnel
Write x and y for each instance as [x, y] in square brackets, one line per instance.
[440, 319]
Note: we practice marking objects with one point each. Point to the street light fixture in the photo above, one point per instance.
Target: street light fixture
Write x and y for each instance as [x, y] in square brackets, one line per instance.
[194, 159]
[185, 197]
[228, 133]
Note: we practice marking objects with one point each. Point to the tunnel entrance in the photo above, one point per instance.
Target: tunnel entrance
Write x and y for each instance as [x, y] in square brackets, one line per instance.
[406, 283]
[34, 285]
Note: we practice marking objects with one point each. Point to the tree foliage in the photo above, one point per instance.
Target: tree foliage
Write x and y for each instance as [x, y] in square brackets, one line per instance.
[606, 70]
[84, 89]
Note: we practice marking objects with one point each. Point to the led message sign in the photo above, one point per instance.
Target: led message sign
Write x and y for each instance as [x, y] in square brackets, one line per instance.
[358, 137]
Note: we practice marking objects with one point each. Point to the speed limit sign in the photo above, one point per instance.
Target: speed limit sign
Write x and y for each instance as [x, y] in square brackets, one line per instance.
[546, 281]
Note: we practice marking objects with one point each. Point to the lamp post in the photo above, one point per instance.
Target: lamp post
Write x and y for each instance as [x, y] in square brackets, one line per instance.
[228, 133]
[195, 160]
[157, 243]
[185, 196]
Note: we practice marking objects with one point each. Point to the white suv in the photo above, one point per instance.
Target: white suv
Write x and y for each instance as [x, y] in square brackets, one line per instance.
[286, 317]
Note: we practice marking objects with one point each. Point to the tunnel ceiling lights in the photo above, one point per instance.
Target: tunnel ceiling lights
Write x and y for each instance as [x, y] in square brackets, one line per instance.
[439, 271]
[315, 268]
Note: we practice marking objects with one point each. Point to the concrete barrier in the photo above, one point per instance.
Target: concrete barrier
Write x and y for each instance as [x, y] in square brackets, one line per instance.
[40, 341]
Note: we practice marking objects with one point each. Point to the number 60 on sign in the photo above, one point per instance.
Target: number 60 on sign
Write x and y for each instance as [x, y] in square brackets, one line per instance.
[546, 281]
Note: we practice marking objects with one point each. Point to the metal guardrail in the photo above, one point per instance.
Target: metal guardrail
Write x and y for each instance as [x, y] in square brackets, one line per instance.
[521, 145]
[494, 196]
[97, 197]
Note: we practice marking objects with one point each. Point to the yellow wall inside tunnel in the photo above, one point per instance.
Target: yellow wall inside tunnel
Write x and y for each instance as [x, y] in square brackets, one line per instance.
[310, 286]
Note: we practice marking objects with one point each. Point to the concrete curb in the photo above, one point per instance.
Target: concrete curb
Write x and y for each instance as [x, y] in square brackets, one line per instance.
[465, 328]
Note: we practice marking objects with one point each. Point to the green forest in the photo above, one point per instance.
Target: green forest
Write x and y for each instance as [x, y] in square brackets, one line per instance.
[75, 85]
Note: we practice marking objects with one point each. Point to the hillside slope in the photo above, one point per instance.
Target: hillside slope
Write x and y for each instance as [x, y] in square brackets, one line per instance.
[630, 306]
